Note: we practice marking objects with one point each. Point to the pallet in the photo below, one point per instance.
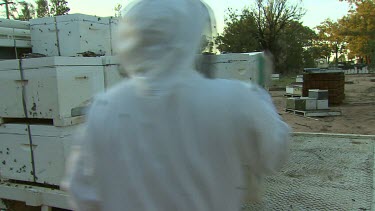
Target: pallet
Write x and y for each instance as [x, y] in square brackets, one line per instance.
[315, 113]
[292, 95]
[58, 122]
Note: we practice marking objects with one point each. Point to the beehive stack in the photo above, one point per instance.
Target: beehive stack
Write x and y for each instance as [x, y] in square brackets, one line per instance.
[43, 100]
[334, 82]
[14, 38]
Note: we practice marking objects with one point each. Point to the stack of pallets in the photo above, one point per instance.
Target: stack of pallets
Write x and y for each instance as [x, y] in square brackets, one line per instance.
[334, 82]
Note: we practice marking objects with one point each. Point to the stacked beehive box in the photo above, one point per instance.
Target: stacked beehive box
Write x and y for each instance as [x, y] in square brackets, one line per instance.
[14, 38]
[43, 100]
[247, 67]
[317, 100]
[334, 82]
[73, 35]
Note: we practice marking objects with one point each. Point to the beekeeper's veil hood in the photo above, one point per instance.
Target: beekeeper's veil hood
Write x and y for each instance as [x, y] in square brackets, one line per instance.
[159, 38]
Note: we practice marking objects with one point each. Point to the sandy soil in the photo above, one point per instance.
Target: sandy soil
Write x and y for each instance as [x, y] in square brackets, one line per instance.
[358, 110]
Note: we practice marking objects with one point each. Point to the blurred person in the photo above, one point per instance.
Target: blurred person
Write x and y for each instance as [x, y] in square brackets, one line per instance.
[167, 138]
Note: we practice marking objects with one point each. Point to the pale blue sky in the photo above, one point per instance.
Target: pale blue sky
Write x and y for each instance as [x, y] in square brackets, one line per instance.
[317, 10]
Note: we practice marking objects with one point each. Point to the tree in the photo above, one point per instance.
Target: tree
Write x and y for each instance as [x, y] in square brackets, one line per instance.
[240, 33]
[59, 7]
[271, 18]
[21, 10]
[358, 29]
[27, 11]
[330, 36]
[118, 9]
[42, 8]
[296, 42]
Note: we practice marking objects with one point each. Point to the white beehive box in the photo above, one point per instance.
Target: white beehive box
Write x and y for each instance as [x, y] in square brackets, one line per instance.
[14, 33]
[275, 77]
[301, 104]
[54, 87]
[322, 105]
[113, 73]
[11, 90]
[15, 153]
[51, 152]
[318, 94]
[242, 66]
[310, 103]
[294, 90]
[299, 79]
[70, 35]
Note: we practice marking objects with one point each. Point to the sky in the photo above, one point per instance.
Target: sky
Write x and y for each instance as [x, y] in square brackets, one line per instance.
[316, 10]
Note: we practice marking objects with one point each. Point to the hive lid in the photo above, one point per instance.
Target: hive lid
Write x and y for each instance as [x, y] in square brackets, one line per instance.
[70, 18]
[235, 57]
[82, 17]
[60, 61]
[42, 21]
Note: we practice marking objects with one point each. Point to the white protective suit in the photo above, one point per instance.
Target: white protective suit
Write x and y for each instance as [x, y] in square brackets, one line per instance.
[168, 139]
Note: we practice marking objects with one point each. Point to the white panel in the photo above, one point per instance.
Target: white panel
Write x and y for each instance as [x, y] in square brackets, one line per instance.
[289, 90]
[11, 94]
[237, 66]
[238, 70]
[322, 105]
[40, 94]
[76, 87]
[43, 36]
[81, 36]
[53, 148]
[60, 61]
[77, 33]
[311, 104]
[14, 24]
[15, 153]
[52, 93]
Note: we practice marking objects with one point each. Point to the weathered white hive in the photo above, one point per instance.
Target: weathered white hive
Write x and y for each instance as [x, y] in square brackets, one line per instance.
[71, 35]
[241, 66]
[14, 38]
[48, 148]
[49, 88]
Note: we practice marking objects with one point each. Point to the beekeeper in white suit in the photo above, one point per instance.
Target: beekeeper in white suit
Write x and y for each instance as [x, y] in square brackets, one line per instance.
[168, 139]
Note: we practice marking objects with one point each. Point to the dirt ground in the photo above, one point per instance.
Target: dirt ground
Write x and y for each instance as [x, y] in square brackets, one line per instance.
[358, 110]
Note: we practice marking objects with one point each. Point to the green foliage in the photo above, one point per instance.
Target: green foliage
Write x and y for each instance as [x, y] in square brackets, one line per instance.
[358, 30]
[21, 10]
[296, 43]
[274, 27]
[330, 36]
[59, 7]
[118, 9]
[240, 33]
[42, 8]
